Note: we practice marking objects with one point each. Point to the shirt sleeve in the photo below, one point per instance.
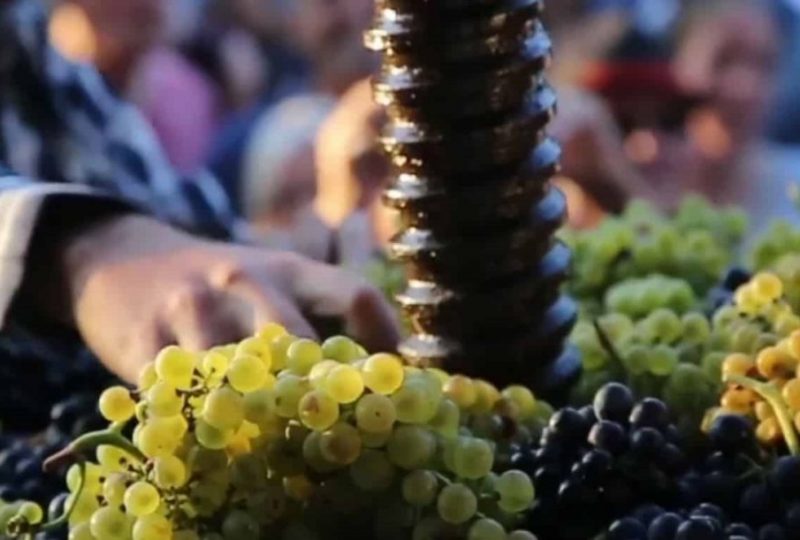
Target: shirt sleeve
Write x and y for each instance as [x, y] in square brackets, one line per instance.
[23, 205]
[59, 120]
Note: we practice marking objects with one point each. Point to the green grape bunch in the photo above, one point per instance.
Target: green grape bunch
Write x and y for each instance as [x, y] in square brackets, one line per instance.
[283, 437]
[695, 244]
[665, 354]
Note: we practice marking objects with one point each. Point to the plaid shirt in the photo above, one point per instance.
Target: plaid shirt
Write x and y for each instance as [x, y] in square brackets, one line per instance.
[64, 134]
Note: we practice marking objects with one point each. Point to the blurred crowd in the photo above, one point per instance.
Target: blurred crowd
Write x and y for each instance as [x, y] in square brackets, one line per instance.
[658, 98]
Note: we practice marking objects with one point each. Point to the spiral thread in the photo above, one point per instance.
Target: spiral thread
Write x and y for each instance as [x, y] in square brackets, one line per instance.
[463, 85]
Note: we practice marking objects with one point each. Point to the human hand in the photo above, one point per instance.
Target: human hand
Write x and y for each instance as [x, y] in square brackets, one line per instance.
[136, 285]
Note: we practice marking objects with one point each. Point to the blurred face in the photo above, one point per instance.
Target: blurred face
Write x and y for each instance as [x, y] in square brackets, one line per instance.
[732, 58]
[352, 169]
[326, 28]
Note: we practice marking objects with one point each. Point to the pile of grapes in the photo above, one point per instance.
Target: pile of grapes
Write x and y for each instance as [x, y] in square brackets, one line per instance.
[684, 424]
[282, 437]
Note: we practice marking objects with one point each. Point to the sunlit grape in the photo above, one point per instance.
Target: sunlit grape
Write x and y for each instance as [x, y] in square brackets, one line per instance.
[340, 348]
[141, 499]
[175, 366]
[383, 373]
[257, 347]
[456, 504]
[344, 383]
[247, 373]
[111, 523]
[152, 527]
[375, 413]
[302, 355]
[288, 391]
[224, 409]
[318, 410]
[515, 490]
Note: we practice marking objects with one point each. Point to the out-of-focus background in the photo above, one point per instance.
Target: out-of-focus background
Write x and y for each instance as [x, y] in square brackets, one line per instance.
[658, 98]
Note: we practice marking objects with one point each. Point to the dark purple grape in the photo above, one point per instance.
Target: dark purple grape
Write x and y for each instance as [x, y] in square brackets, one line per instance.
[740, 529]
[735, 277]
[613, 402]
[608, 436]
[699, 528]
[523, 460]
[671, 459]
[29, 468]
[772, 531]
[664, 527]
[731, 433]
[56, 507]
[619, 495]
[710, 510]
[647, 442]
[647, 513]
[719, 488]
[627, 529]
[784, 476]
[650, 412]
[569, 424]
[587, 412]
[8, 493]
[758, 504]
[596, 463]
[573, 493]
[791, 519]
[547, 479]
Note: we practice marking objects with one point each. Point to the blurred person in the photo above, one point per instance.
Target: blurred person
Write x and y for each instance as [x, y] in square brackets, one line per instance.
[131, 51]
[94, 228]
[327, 35]
[347, 223]
[728, 50]
[648, 106]
[280, 171]
[619, 128]
[784, 118]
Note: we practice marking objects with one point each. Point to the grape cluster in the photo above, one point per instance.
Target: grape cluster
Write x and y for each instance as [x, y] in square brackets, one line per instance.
[787, 268]
[761, 373]
[599, 461]
[663, 355]
[780, 239]
[696, 244]
[278, 435]
[624, 463]
[637, 297]
[704, 522]
[763, 505]
[40, 374]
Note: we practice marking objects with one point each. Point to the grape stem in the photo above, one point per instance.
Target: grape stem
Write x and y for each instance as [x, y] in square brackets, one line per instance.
[605, 342]
[773, 397]
[88, 443]
[73, 502]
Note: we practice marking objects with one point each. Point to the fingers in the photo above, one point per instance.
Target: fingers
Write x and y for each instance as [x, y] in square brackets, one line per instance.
[325, 290]
[372, 321]
[198, 318]
[267, 304]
